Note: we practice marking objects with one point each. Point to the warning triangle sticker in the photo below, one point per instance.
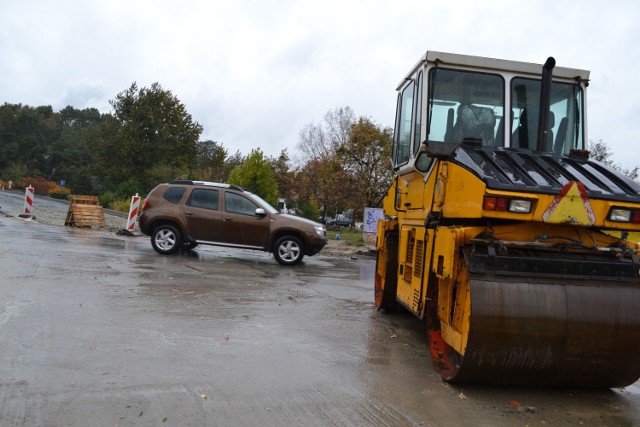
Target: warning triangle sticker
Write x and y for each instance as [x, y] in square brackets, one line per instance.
[571, 206]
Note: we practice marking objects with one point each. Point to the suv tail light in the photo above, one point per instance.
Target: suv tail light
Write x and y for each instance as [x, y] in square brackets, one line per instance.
[144, 205]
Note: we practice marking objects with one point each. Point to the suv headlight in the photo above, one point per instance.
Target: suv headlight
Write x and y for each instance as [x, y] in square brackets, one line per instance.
[320, 230]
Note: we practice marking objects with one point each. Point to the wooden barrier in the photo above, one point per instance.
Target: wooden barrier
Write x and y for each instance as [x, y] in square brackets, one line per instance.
[85, 211]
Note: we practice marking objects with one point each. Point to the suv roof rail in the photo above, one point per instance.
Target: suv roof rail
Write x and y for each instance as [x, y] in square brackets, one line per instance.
[207, 183]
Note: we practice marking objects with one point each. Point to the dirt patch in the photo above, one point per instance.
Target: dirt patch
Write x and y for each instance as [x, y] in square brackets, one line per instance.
[342, 247]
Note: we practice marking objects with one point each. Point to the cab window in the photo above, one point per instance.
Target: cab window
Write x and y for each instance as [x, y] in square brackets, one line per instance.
[207, 199]
[236, 203]
[403, 126]
[465, 105]
[565, 127]
[418, 115]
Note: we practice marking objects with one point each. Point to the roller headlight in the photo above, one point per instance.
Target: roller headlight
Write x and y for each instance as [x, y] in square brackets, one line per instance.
[618, 214]
[505, 204]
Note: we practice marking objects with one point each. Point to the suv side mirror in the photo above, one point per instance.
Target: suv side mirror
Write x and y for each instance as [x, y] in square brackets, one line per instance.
[260, 212]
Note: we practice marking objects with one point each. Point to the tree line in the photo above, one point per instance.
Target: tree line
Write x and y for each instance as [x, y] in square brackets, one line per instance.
[341, 163]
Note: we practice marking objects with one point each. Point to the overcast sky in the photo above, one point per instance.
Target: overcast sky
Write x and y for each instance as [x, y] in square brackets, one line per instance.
[254, 73]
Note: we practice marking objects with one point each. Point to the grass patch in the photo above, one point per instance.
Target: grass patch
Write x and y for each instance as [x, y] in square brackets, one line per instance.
[353, 238]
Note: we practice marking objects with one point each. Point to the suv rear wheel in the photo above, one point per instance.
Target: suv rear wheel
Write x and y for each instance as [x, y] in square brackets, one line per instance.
[166, 239]
[288, 250]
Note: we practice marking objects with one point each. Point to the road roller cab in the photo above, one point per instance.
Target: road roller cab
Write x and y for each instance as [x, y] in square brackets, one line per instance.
[502, 234]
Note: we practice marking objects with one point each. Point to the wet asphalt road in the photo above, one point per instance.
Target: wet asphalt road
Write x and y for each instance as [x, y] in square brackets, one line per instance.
[98, 330]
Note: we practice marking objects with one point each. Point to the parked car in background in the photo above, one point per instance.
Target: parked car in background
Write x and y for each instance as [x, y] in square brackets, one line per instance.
[340, 220]
[184, 214]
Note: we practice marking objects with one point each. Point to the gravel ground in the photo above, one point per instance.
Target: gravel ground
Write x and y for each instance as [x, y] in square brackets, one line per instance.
[52, 211]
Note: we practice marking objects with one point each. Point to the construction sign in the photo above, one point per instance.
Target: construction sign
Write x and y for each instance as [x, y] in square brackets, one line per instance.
[571, 205]
[370, 226]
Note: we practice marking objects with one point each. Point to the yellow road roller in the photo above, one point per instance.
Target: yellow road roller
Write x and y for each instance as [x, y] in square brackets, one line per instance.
[502, 234]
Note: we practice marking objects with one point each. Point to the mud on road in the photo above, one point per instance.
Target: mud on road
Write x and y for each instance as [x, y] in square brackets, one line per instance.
[97, 329]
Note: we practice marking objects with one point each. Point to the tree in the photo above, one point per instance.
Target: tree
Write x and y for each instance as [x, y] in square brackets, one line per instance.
[282, 174]
[255, 175]
[73, 157]
[152, 137]
[232, 162]
[26, 136]
[365, 155]
[601, 152]
[338, 123]
[322, 171]
[324, 183]
[210, 161]
[214, 162]
[322, 141]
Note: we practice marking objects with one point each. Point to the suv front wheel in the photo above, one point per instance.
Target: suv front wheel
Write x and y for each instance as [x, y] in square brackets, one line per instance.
[288, 250]
[166, 239]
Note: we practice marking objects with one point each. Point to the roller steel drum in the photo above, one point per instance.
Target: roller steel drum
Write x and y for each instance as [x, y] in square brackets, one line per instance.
[547, 331]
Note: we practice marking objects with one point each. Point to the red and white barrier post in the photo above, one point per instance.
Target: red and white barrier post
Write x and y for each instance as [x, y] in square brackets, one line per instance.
[28, 202]
[133, 213]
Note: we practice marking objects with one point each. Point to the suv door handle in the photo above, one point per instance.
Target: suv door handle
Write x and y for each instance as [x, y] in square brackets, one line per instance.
[226, 219]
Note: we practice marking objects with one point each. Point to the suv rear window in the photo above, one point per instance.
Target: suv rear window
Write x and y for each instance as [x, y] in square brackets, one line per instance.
[174, 194]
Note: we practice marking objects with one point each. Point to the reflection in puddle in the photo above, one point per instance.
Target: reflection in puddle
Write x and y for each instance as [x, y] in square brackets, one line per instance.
[367, 271]
[632, 389]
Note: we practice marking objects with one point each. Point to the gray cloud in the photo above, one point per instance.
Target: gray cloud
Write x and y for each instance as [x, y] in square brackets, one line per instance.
[254, 73]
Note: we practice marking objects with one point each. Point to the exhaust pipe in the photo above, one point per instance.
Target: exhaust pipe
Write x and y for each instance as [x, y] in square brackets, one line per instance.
[545, 104]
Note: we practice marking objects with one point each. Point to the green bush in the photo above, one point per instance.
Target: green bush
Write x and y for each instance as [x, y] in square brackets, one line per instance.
[128, 188]
[60, 196]
[122, 205]
[107, 199]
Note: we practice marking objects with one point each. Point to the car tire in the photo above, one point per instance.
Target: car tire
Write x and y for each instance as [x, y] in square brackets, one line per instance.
[166, 239]
[288, 250]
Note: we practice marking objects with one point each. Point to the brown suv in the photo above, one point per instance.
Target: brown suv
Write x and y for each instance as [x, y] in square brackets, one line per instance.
[183, 214]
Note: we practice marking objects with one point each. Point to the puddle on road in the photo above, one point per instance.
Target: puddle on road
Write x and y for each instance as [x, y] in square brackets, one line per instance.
[368, 271]
[632, 389]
